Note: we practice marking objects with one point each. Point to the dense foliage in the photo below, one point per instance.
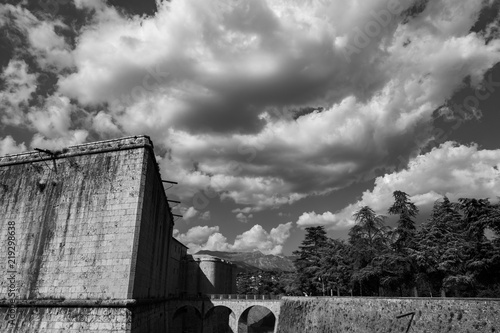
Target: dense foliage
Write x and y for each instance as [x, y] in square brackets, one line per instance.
[263, 283]
[455, 253]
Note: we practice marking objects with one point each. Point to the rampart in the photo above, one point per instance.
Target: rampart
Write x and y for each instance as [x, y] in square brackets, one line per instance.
[92, 231]
[384, 315]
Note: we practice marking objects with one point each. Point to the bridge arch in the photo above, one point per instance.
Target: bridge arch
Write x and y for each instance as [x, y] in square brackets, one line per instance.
[257, 319]
[187, 319]
[219, 319]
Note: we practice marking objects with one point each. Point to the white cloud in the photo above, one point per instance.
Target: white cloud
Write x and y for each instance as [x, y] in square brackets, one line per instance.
[243, 218]
[15, 96]
[53, 124]
[50, 49]
[327, 218]
[209, 238]
[450, 170]
[188, 213]
[215, 83]
[103, 124]
[9, 146]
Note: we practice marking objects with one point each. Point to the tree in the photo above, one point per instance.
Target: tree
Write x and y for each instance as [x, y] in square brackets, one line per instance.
[443, 248]
[405, 231]
[335, 270]
[402, 265]
[370, 228]
[308, 258]
[368, 239]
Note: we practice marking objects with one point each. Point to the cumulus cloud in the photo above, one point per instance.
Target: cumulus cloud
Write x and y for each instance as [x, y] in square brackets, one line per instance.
[452, 170]
[223, 85]
[188, 213]
[209, 238]
[49, 47]
[243, 218]
[9, 146]
[14, 98]
[54, 125]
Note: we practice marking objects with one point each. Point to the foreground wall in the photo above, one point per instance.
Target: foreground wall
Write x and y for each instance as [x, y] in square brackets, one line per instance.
[89, 223]
[379, 315]
[51, 316]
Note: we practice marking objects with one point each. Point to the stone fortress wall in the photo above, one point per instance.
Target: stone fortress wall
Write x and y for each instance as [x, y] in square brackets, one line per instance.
[383, 315]
[93, 235]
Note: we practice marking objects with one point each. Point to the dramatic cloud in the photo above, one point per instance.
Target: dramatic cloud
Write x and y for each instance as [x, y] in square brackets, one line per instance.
[262, 102]
[14, 98]
[451, 170]
[208, 238]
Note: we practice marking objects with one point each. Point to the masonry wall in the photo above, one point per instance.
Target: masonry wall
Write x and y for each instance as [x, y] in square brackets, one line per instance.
[75, 219]
[68, 319]
[83, 317]
[379, 315]
[210, 275]
[153, 236]
[176, 268]
[91, 224]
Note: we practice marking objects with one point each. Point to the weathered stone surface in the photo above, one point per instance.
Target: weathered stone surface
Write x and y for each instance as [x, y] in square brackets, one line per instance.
[92, 223]
[379, 315]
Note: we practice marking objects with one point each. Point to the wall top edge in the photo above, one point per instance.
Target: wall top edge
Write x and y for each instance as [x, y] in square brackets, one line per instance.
[78, 302]
[471, 299]
[129, 142]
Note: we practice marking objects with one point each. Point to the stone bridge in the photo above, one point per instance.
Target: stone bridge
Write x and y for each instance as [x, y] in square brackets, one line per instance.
[224, 313]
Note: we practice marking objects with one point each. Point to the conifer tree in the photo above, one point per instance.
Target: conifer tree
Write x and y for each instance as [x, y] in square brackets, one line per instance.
[308, 258]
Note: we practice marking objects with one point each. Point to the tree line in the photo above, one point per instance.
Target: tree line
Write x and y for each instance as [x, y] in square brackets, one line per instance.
[454, 253]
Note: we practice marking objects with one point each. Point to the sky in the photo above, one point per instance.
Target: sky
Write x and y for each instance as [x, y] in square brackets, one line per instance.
[272, 115]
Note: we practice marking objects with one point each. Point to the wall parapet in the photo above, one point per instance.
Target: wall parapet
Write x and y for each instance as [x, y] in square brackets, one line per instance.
[132, 142]
[384, 314]
[80, 303]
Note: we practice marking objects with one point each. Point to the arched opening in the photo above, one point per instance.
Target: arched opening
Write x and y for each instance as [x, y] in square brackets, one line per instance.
[187, 319]
[257, 319]
[219, 319]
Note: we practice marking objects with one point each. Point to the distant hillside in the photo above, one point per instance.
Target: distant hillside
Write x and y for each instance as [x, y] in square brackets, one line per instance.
[254, 260]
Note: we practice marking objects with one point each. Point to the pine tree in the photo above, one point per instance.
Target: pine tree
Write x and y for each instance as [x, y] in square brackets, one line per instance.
[369, 240]
[443, 248]
[308, 258]
[405, 231]
[400, 265]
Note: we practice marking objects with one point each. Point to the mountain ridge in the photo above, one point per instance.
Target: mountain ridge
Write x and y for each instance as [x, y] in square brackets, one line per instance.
[255, 260]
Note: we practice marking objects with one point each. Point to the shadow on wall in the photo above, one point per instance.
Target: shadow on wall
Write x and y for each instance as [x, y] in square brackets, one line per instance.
[218, 320]
[187, 319]
[256, 319]
[221, 319]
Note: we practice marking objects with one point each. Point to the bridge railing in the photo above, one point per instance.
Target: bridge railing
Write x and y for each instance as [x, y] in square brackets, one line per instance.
[243, 297]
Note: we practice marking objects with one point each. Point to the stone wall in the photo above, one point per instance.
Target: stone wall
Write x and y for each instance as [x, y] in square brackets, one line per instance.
[91, 224]
[51, 316]
[176, 268]
[153, 233]
[379, 315]
[214, 275]
[75, 219]
[68, 319]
